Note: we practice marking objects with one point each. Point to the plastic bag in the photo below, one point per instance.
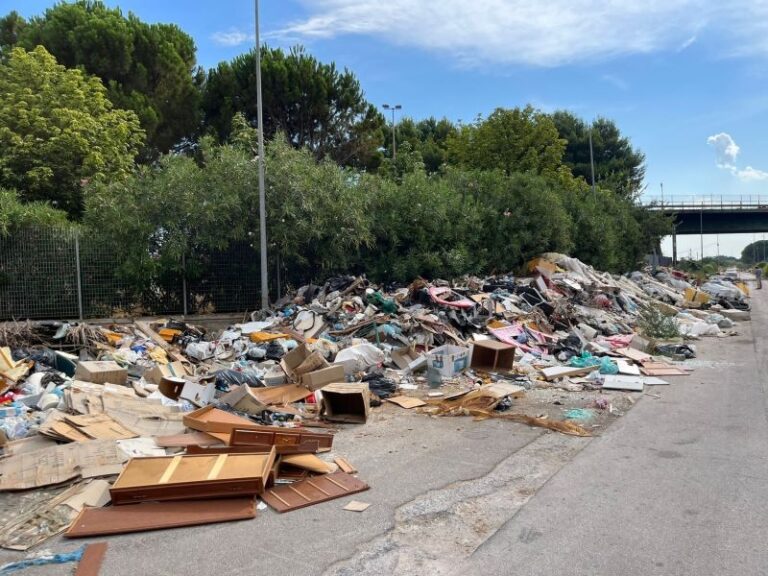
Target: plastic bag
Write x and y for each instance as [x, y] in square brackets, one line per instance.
[233, 378]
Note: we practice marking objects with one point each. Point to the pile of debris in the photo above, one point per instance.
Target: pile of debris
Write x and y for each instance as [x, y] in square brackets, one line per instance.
[194, 424]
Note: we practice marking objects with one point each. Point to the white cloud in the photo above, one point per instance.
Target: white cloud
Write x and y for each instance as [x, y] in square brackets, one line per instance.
[727, 152]
[552, 33]
[750, 174]
[549, 33]
[232, 37]
[726, 149]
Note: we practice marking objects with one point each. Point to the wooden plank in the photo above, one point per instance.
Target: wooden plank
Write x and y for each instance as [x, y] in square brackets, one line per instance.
[555, 372]
[159, 515]
[345, 466]
[312, 491]
[636, 355]
[90, 563]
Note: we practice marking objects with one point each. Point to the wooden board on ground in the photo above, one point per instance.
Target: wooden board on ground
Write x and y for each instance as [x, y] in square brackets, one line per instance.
[633, 354]
[555, 372]
[159, 515]
[312, 491]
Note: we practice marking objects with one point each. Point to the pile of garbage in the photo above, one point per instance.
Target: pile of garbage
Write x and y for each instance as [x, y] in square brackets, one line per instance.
[183, 417]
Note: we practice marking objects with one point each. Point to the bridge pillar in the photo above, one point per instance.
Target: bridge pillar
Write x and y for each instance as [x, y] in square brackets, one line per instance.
[674, 249]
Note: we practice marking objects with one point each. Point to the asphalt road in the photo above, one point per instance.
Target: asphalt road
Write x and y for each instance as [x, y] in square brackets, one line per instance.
[677, 487]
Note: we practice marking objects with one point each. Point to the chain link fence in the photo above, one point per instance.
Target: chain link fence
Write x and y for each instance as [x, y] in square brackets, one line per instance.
[65, 274]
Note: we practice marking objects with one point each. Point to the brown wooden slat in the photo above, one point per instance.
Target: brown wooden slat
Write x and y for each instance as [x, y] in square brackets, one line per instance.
[159, 515]
[313, 491]
[90, 563]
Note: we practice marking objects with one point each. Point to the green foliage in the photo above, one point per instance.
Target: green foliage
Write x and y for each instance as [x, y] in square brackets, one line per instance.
[314, 104]
[318, 214]
[512, 140]
[618, 166]
[147, 68]
[754, 252]
[654, 324]
[427, 137]
[15, 214]
[161, 214]
[58, 129]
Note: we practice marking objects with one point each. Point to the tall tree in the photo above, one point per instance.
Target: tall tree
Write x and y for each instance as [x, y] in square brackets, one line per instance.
[618, 166]
[314, 104]
[428, 137]
[147, 68]
[512, 140]
[59, 129]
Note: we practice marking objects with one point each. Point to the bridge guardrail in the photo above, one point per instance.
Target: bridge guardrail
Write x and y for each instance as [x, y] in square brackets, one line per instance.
[705, 202]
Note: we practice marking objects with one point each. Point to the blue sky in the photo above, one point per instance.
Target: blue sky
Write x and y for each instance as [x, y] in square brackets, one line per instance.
[686, 80]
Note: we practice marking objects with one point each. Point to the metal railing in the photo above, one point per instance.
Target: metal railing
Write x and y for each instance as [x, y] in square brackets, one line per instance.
[727, 202]
[64, 274]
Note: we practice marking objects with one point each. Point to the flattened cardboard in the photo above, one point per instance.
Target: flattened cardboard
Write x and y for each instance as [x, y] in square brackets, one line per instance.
[312, 491]
[406, 401]
[346, 403]
[56, 464]
[159, 515]
[192, 477]
[101, 371]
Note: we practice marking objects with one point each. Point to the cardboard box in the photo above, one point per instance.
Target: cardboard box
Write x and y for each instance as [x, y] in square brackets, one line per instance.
[174, 369]
[100, 372]
[346, 402]
[243, 400]
[171, 387]
[199, 393]
[448, 360]
[409, 359]
[492, 356]
[319, 378]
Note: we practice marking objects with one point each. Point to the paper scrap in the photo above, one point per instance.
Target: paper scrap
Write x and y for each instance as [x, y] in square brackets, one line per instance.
[356, 506]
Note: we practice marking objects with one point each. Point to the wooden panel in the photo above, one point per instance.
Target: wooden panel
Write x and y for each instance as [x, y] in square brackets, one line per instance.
[192, 476]
[278, 437]
[312, 491]
[90, 563]
[303, 448]
[158, 515]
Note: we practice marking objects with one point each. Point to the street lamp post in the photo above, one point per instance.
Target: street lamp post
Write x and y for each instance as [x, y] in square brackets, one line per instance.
[394, 140]
[262, 196]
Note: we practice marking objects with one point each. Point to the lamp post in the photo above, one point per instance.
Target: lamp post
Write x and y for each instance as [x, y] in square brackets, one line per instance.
[394, 141]
[262, 200]
[592, 161]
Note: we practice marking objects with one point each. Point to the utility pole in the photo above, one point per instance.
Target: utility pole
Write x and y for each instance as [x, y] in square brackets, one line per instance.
[662, 192]
[262, 196]
[394, 139]
[592, 161]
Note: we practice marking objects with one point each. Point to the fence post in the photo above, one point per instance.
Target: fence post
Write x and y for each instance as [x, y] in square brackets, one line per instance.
[79, 281]
[184, 280]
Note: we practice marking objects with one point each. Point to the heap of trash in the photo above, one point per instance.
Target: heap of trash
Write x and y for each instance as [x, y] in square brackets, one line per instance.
[175, 425]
